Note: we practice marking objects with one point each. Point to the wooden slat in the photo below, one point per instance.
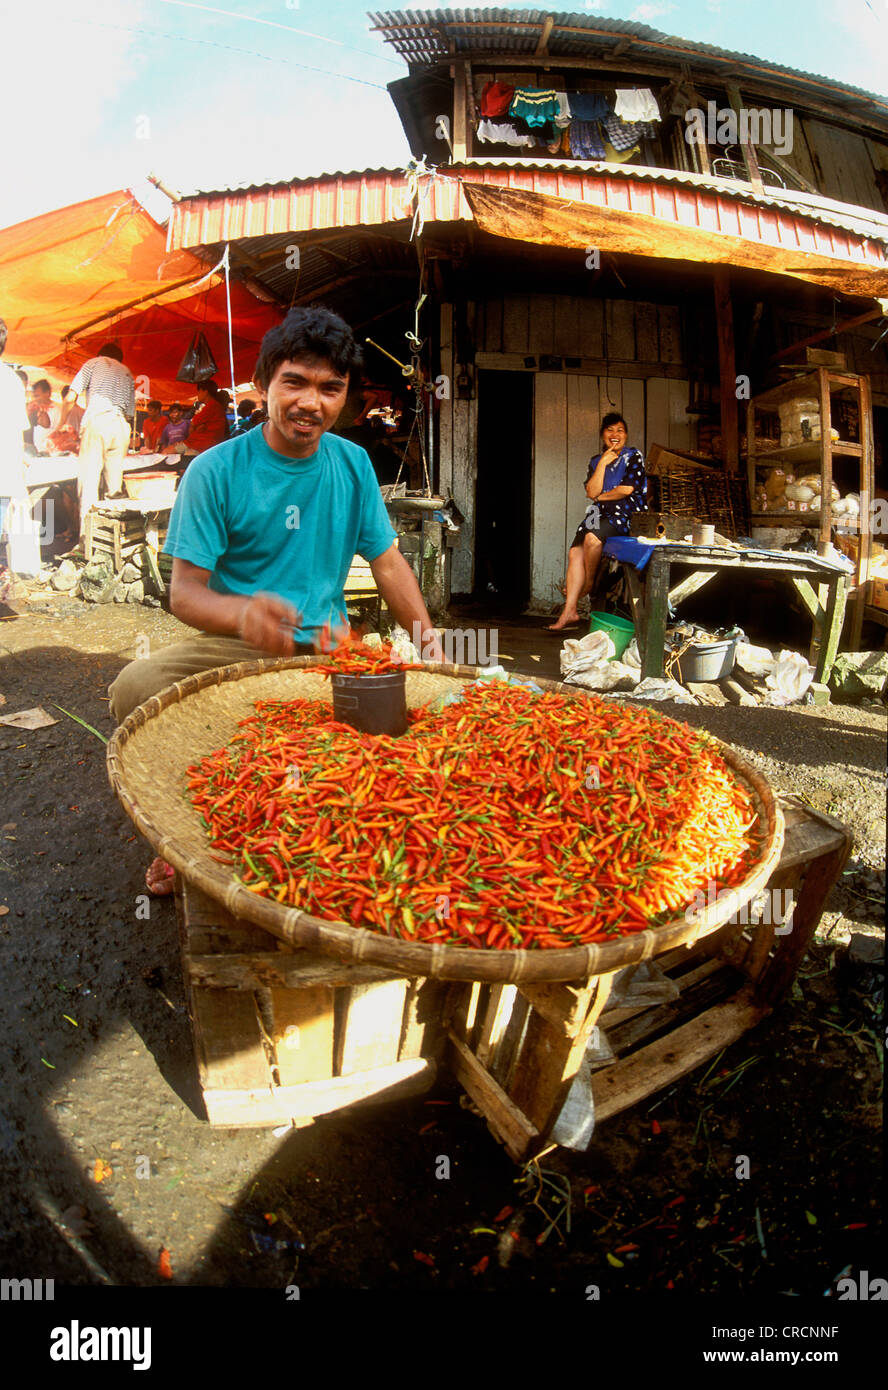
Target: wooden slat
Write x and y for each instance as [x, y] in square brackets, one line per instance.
[302, 1034]
[646, 335]
[513, 1128]
[564, 1006]
[566, 330]
[669, 320]
[541, 323]
[422, 1023]
[633, 1079]
[634, 412]
[278, 1105]
[515, 323]
[591, 327]
[371, 1031]
[657, 423]
[613, 1017]
[619, 321]
[549, 486]
[284, 969]
[714, 981]
[230, 1051]
[549, 1061]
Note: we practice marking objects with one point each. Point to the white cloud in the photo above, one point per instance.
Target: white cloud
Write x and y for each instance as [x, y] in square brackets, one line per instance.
[643, 14]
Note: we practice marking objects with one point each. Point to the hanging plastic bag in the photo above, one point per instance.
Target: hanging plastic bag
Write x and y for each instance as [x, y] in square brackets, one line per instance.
[198, 364]
[789, 680]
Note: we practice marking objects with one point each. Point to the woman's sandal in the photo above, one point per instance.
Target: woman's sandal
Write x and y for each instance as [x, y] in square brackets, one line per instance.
[160, 878]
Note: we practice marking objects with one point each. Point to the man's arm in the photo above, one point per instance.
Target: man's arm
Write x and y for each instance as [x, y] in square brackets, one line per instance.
[257, 619]
[396, 582]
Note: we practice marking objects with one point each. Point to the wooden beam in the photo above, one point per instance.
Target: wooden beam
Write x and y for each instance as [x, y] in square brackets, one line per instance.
[746, 145]
[727, 370]
[458, 72]
[844, 327]
[542, 48]
[790, 171]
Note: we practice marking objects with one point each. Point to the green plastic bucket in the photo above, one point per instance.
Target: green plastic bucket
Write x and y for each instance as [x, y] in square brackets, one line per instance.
[619, 630]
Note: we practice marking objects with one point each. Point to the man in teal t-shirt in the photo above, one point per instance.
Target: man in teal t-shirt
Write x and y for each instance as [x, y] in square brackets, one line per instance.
[266, 525]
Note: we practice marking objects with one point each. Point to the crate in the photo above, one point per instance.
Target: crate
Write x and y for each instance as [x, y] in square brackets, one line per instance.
[114, 538]
[878, 593]
[517, 1049]
[284, 1034]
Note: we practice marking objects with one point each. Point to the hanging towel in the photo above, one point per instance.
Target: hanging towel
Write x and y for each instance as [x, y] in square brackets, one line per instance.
[496, 99]
[564, 112]
[534, 105]
[589, 106]
[585, 140]
[503, 133]
[636, 104]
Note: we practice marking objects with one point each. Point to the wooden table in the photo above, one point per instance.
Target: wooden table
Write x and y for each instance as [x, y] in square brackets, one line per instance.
[821, 587]
[41, 474]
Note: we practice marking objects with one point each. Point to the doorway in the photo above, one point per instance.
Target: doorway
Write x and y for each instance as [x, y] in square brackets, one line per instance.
[503, 492]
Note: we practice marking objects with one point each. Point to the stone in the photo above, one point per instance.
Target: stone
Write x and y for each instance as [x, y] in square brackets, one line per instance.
[130, 573]
[736, 694]
[66, 577]
[866, 950]
[97, 582]
[135, 593]
[119, 591]
[856, 674]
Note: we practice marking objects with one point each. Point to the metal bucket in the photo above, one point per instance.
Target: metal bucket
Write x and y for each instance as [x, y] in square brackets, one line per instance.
[373, 704]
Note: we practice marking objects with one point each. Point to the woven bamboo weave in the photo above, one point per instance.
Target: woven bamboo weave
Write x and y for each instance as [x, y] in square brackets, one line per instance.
[150, 752]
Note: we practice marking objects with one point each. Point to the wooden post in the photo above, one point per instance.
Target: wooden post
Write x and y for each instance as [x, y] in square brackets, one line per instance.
[867, 483]
[727, 370]
[825, 453]
[458, 72]
[748, 148]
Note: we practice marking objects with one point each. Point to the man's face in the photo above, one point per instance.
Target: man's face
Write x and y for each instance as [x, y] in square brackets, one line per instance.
[154, 412]
[42, 396]
[304, 399]
[175, 413]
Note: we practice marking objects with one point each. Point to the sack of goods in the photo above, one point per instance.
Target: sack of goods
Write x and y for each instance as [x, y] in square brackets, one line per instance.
[847, 507]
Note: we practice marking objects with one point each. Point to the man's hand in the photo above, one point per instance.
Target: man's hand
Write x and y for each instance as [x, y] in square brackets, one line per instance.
[396, 582]
[267, 622]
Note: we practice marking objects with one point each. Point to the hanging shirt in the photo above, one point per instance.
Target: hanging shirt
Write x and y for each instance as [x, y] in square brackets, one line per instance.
[589, 106]
[564, 113]
[503, 133]
[619, 156]
[536, 106]
[586, 141]
[636, 104]
[496, 99]
[234, 515]
[623, 134]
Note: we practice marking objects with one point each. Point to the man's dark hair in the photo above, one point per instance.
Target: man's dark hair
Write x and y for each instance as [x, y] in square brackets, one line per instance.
[614, 418]
[176, 405]
[245, 409]
[159, 404]
[308, 332]
[209, 386]
[64, 392]
[111, 350]
[42, 385]
[3, 335]
[22, 374]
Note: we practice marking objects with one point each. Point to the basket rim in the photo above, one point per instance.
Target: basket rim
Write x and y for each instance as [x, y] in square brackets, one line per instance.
[433, 959]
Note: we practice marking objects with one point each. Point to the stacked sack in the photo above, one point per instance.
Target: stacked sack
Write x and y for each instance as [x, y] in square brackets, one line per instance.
[800, 422]
[784, 492]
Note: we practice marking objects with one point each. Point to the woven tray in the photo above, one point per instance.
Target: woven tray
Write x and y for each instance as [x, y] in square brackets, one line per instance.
[147, 759]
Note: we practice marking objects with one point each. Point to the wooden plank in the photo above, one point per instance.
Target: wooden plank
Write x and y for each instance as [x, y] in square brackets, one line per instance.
[228, 1040]
[581, 418]
[711, 983]
[302, 1034]
[566, 328]
[619, 318]
[503, 1057]
[679, 420]
[612, 1018]
[277, 1105]
[753, 172]
[657, 414]
[549, 1060]
[463, 482]
[563, 1006]
[541, 323]
[445, 416]
[690, 585]
[515, 323]
[589, 366]
[634, 412]
[493, 325]
[510, 1126]
[669, 323]
[499, 1006]
[591, 327]
[222, 964]
[635, 1078]
[646, 334]
[371, 1030]
[819, 879]
[549, 487]
[422, 1025]
[727, 370]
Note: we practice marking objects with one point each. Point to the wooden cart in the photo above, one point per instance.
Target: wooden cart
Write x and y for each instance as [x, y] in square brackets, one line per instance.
[285, 1034]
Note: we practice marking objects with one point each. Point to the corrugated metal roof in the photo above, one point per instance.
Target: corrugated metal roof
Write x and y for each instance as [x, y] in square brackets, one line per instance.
[425, 36]
[373, 197]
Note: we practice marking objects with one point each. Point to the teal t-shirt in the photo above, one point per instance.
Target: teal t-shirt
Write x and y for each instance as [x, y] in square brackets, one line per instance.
[263, 522]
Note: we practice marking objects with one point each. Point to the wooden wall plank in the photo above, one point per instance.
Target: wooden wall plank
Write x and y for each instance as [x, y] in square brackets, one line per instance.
[679, 420]
[493, 328]
[371, 1032]
[657, 429]
[515, 323]
[591, 325]
[647, 340]
[541, 323]
[620, 329]
[669, 320]
[847, 169]
[633, 411]
[582, 443]
[230, 1052]
[566, 336]
[445, 414]
[465, 448]
[549, 486]
[303, 1034]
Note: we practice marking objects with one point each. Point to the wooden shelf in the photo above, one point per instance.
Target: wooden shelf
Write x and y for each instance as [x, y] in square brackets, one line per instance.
[809, 452]
[875, 615]
[800, 384]
[803, 520]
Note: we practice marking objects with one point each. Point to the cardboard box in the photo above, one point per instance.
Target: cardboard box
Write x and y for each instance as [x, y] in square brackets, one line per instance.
[878, 595]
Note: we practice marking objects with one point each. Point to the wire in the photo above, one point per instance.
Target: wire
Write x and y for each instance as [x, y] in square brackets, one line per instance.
[288, 28]
[229, 48]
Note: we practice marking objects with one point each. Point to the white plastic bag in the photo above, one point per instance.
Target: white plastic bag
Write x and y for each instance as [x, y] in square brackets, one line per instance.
[789, 680]
[578, 654]
[659, 688]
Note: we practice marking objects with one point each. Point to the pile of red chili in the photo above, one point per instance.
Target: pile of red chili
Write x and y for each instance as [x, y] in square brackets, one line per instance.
[509, 819]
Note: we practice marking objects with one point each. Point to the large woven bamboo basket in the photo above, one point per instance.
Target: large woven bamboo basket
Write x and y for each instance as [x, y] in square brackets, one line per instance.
[147, 759]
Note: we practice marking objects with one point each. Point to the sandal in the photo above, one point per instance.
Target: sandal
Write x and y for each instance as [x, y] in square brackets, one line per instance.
[160, 878]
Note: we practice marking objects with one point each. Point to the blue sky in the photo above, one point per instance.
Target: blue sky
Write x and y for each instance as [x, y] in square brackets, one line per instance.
[97, 96]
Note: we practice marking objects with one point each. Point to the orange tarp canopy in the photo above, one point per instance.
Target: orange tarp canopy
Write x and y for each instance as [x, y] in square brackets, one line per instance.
[74, 279]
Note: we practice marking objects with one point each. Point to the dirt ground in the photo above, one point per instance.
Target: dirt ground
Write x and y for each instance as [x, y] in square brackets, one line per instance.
[98, 1065]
